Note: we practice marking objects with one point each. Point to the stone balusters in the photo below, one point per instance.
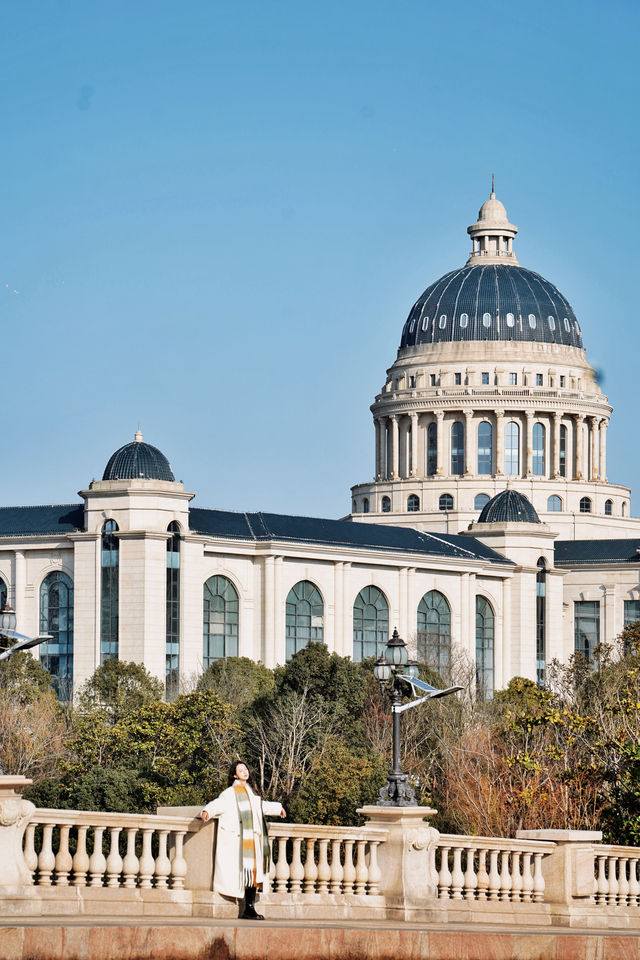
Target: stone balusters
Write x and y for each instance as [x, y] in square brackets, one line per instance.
[616, 876]
[514, 874]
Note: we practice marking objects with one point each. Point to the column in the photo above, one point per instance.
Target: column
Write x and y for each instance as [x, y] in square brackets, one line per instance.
[338, 606]
[279, 612]
[529, 446]
[19, 583]
[499, 465]
[603, 450]
[347, 611]
[470, 443]
[394, 447]
[579, 472]
[378, 428]
[506, 633]
[555, 469]
[268, 638]
[595, 433]
[439, 443]
[402, 603]
[608, 628]
[414, 445]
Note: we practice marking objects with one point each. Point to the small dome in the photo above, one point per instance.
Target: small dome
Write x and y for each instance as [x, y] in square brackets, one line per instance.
[509, 506]
[493, 209]
[138, 460]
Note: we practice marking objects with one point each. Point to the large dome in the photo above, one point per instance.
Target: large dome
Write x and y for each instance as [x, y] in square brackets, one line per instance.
[138, 461]
[491, 301]
[509, 506]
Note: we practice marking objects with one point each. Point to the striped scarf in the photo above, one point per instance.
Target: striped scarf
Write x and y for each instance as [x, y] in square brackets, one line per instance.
[247, 846]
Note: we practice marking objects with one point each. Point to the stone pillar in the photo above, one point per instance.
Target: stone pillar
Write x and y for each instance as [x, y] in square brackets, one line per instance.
[279, 631]
[569, 870]
[407, 858]
[439, 443]
[529, 446]
[19, 583]
[555, 470]
[338, 604]
[414, 445]
[268, 636]
[469, 443]
[394, 447]
[402, 602]
[377, 423]
[603, 450]
[608, 628]
[499, 471]
[595, 456]
[579, 458]
[14, 816]
[142, 618]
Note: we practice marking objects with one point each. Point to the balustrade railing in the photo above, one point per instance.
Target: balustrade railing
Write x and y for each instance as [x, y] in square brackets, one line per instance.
[316, 859]
[616, 876]
[490, 868]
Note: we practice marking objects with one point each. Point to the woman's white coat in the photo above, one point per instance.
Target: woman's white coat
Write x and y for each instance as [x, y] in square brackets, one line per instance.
[226, 874]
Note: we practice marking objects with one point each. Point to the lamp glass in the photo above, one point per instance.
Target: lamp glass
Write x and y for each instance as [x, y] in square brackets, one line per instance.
[397, 653]
[7, 618]
[381, 670]
[411, 669]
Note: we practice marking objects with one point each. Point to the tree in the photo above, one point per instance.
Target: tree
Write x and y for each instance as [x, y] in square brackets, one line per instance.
[238, 681]
[118, 688]
[338, 782]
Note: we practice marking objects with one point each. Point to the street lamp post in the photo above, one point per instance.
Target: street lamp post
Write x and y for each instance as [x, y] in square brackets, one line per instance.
[391, 671]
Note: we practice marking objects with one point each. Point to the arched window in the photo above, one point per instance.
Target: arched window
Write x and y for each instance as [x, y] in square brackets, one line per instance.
[537, 464]
[484, 648]
[172, 650]
[434, 632]
[563, 451]
[305, 617]
[585, 505]
[109, 591]
[512, 449]
[457, 448]
[413, 503]
[485, 448]
[220, 620]
[554, 504]
[4, 593]
[386, 505]
[541, 622]
[370, 624]
[365, 505]
[445, 502]
[481, 499]
[624, 509]
[56, 618]
[608, 508]
[432, 448]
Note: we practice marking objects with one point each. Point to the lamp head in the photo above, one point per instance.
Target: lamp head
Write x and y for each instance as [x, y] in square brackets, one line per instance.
[397, 650]
[7, 619]
[382, 670]
[411, 670]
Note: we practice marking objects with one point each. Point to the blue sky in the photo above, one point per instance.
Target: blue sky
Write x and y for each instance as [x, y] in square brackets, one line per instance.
[216, 217]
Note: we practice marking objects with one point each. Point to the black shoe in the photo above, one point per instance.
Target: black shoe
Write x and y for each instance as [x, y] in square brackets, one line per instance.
[249, 909]
[250, 914]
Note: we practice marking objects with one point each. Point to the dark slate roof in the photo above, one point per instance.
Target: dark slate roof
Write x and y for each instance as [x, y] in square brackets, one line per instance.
[370, 536]
[569, 553]
[138, 460]
[491, 302]
[41, 521]
[509, 506]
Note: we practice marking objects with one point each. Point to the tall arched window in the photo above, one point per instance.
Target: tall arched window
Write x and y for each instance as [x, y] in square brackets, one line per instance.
[386, 505]
[4, 593]
[512, 449]
[585, 505]
[432, 448]
[172, 651]
[541, 622]
[305, 617]
[537, 462]
[109, 591]
[608, 508]
[413, 503]
[563, 451]
[485, 448]
[434, 632]
[484, 648]
[480, 500]
[457, 448]
[554, 503]
[365, 505]
[219, 620]
[370, 624]
[445, 502]
[56, 618]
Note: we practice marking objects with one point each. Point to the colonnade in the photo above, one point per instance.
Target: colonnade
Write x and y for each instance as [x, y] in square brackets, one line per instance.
[578, 454]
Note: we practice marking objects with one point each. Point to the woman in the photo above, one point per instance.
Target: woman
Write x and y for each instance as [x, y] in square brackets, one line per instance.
[242, 847]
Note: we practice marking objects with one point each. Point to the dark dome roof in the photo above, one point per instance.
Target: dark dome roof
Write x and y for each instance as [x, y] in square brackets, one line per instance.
[509, 506]
[491, 302]
[138, 460]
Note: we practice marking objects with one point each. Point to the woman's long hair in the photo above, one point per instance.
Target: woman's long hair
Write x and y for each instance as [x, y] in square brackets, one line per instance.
[232, 776]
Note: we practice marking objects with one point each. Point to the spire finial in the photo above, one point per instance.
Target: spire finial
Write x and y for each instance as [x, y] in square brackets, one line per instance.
[138, 435]
[493, 185]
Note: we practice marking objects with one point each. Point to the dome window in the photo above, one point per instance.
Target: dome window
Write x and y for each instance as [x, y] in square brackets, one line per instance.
[532, 321]
[554, 504]
[413, 503]
[412, 326]
[511, 320]
[481, 500]
[552, 323]
[486, 319]
[608, 508]
[577, 327]
[566, 324]
[425, 323]
[464, 319]
[445, 502]
[585, 505]
[386, 505]
[443, 321]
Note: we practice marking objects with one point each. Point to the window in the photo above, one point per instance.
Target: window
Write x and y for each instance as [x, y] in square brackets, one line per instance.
[512, 449]
[585, 505]
[56, 618]
[457, 448]
[631, 611]
[386, 505]
[219, 620]
[532, 321]
[563, 380]
[432, 448]
[485, 378]
[484, 648]
[513, 379]
[432, 379]
[445, 502]
[511, 320]
[586, 627]
[537, 463]
[457, 378]
[172, 651]
[563, 451]
[486, 319]
[480, 501]
[552, 323]
[464, 319]
[425, 323]
[365, 505]
[485, 448]
[608, 508]
[554, 504]
[305, 617]
[370, 624]
[566, 324]
[109, 595]
[538, 379]
[4, 593]
[541, 622]
[624, 509]
[443, 321]
[413, 503]
[412, 382]
[434, 632]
